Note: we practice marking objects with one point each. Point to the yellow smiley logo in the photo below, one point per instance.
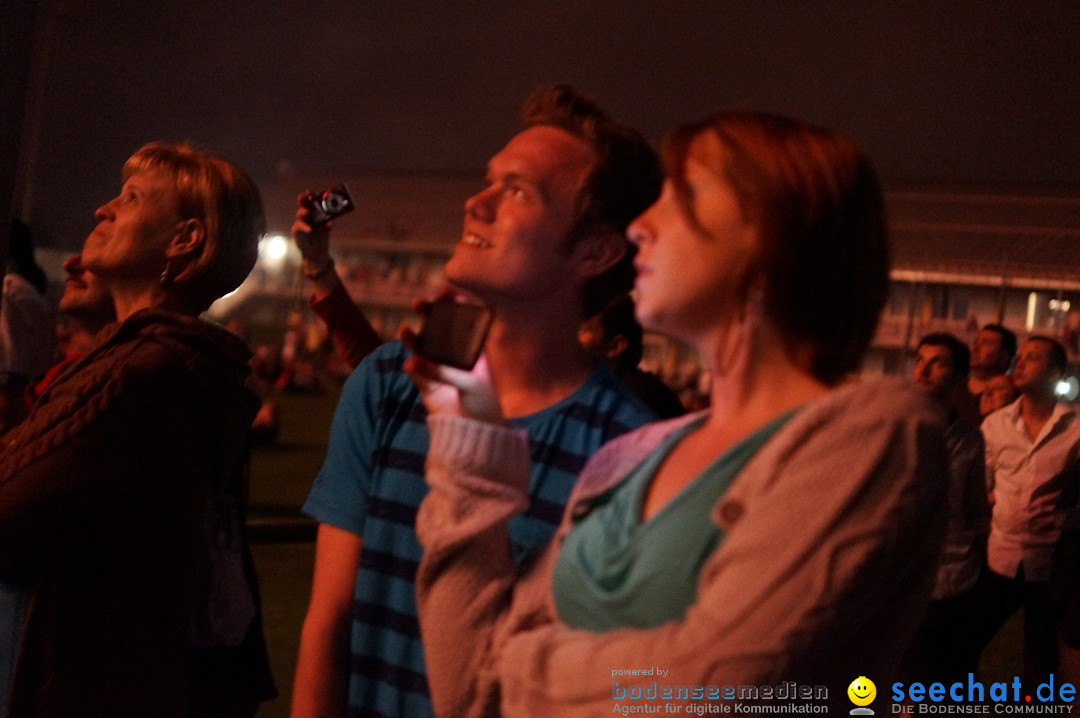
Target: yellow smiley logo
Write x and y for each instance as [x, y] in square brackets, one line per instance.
[862, 691]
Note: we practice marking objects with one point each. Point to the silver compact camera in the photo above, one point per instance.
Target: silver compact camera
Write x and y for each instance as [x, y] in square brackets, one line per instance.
[329, 204]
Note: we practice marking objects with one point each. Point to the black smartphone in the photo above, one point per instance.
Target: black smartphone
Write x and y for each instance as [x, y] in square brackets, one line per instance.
[454, 333]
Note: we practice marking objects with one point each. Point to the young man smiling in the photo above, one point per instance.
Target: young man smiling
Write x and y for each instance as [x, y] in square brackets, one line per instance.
[542, 244]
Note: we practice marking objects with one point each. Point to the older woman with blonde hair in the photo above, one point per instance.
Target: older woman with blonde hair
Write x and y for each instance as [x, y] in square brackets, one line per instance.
[790, 533]
[120, 495]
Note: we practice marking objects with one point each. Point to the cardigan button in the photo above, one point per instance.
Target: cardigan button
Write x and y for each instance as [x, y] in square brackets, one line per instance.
[731, 512]
[581, 509]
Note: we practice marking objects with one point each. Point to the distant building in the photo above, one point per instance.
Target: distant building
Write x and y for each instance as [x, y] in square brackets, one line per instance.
[963, 259]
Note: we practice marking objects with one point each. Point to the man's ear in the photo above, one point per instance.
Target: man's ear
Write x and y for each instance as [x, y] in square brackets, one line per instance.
[615, 347]
[596, 253]
[188, 240]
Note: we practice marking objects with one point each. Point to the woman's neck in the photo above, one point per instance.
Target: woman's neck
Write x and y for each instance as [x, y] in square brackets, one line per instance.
[756, 377]
[129, 301]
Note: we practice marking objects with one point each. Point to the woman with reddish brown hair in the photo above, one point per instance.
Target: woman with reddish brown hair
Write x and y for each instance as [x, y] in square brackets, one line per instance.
[788, 533]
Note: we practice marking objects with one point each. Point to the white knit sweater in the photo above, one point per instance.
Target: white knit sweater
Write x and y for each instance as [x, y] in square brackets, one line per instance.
[833, 532]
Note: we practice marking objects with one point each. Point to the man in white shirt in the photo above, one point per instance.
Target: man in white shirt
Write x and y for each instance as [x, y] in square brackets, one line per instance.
[1033, 459]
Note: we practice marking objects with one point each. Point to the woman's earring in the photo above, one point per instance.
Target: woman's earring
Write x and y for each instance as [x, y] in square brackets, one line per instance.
[166, 275]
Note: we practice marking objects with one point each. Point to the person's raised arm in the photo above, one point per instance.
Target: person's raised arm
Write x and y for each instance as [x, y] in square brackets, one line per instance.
[313, 241]
[351, 331]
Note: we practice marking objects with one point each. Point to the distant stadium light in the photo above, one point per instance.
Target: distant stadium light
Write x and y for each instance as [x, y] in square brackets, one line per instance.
[273, 248]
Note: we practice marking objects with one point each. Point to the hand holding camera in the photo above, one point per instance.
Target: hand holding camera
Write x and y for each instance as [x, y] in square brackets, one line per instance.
[329, 204]
[311, 229]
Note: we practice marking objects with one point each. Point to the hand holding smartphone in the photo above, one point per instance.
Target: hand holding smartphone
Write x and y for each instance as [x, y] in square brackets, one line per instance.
[454, 332]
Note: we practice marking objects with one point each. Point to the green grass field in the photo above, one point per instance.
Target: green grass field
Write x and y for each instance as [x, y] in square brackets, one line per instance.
[281, 475]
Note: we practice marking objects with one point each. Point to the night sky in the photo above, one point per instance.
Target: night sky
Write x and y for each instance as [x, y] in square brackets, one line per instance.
[941, 93]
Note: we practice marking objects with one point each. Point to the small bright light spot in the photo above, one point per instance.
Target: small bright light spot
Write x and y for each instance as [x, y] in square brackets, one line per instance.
[1068, 389]
[273, 248]
[1060, 305]
[1032, 307]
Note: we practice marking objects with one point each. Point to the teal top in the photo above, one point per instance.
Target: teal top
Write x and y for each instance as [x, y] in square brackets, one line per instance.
[616, 571]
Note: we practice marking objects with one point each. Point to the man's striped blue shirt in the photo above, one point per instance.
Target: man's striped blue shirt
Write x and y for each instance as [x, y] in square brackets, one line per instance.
[372, 482]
